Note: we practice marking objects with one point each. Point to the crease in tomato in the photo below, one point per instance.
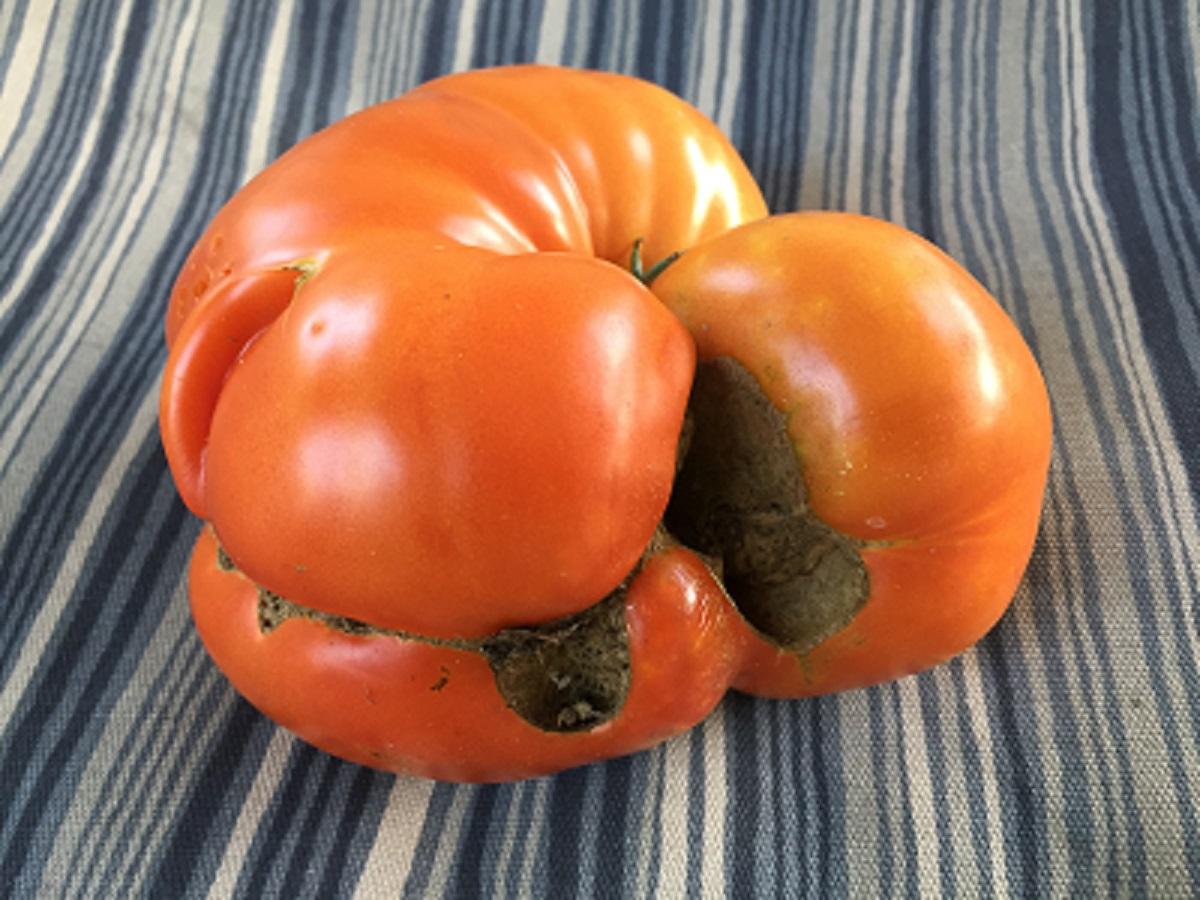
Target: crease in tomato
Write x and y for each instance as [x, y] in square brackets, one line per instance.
[568, 675]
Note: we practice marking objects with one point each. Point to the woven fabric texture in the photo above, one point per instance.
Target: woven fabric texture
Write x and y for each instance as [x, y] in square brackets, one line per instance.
[1052, 147]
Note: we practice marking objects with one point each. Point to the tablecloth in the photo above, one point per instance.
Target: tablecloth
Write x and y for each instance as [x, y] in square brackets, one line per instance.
[1052, 147]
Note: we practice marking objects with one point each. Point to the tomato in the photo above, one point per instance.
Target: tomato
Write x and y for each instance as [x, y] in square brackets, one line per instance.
[913, 412]
[481, 505]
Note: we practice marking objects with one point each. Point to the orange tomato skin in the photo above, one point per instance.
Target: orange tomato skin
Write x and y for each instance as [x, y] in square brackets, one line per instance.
[645, 165]
[516, 159]
[450, 442]
[435, 711]
[917, 412]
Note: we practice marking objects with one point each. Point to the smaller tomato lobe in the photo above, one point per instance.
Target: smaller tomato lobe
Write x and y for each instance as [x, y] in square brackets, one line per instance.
[920, 425]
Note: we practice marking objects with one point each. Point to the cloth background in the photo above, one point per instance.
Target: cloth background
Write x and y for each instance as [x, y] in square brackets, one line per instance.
[1052, 147]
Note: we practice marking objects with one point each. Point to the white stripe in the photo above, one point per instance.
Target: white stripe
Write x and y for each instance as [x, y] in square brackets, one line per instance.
[1193, 28]
[508, 835]
[97, 276]
[855, 188]
[982, 733]
[182, 759]
[712, 865]
[901, 103]
[258, 800]
[258, 146]
[641, 818]
[70, 184]
[920, 788]
[536, 837]
[673, 820]
[1173, 488]
[370, 33]
[894, 809]
[733, 45]
[855, 761]
[955, 141]
[26, 58]
[391, 857]
[56, 599]
[552, 33]
[111, 770]
[959, 817]
[707, 61]
[464, 43]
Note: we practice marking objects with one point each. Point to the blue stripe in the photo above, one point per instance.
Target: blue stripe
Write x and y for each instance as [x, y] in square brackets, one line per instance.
[695, 811]
[1115, 158]
[930, 701]
[469, 873]
[431, 831]
[1023, 814]
[618, 867]
[40, 334]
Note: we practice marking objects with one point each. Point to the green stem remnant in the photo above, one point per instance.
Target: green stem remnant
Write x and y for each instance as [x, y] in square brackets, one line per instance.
[636, 264]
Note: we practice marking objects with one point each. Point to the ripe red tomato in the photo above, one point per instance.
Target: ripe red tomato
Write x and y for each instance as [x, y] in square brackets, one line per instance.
[448, 450]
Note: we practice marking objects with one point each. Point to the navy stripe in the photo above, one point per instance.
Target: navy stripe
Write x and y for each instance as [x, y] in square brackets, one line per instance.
[930, 702]
[102, 411]
[565, 842]
[747, 780]
[39, 339]
[695, 812]
[431, 832]
[924, 199]
[365, 803]
[1023, 815]
[974, 765]
[469, 873]
[617, 798]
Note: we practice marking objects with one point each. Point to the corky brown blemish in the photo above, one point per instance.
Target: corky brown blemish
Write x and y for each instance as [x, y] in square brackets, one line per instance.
[740, 497]
[567, 675]
[570, 675]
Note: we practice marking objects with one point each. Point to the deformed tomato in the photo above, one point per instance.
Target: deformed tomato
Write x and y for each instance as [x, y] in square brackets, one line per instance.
[481, 506]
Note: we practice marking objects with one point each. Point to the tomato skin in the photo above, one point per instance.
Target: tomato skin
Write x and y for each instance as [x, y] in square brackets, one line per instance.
[390, 451]
[916, 410]
[435, 711]
[645, 165]
[516, 159]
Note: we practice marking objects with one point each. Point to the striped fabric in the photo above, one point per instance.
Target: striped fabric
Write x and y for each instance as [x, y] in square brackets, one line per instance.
[1053, 147]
